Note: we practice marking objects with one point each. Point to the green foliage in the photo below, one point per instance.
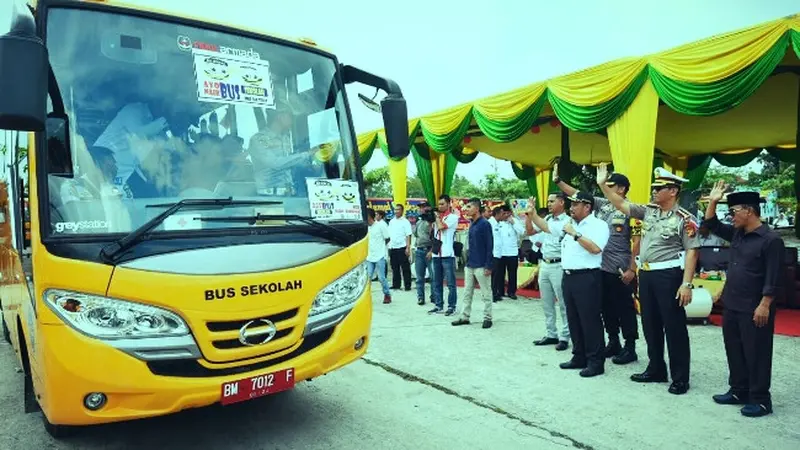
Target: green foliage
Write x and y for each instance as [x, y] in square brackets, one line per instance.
[734, 176]
[378, 183]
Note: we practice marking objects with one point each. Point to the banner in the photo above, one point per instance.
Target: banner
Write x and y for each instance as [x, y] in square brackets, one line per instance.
[386, 206]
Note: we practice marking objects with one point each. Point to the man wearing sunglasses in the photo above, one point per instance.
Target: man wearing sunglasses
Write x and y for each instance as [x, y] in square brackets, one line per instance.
[666, 262]
[753, 280]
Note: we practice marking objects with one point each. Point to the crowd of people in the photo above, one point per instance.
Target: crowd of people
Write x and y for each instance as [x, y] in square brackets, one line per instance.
[594, 254]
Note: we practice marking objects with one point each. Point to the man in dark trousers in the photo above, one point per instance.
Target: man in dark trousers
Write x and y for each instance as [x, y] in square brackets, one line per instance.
[479, 265]
[752, 282]
[618, 270]
[581, 258]
[666, 263]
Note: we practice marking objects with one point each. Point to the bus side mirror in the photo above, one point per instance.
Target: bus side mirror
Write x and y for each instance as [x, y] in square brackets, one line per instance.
[395, 124]
[24, 69]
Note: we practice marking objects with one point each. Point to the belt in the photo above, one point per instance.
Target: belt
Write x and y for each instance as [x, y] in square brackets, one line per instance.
[661, 265]
[551, 260]
[426, 247]
[579, 271]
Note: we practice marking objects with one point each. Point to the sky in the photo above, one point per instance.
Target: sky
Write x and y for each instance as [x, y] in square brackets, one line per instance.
[446, 52]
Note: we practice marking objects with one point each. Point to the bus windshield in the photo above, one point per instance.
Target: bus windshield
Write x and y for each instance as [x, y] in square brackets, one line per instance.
[160, 112]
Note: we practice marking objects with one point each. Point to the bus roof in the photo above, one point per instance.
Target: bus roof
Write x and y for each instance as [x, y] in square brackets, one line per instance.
[306, 42]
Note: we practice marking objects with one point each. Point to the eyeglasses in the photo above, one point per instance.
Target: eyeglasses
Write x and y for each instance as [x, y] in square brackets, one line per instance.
[733, 211]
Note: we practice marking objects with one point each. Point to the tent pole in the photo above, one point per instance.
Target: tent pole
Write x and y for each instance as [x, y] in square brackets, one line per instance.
[796, 163]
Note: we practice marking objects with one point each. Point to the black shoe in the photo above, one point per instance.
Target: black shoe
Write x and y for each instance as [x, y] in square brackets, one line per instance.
[592, 371]
[729, 398]
[613, 348]
[497, 299]
[435, 310]
[450, 311]
[421, 301]
[458, 322]
[562, 345]
[487, 324]
[546, 341]
[627, 355]
[756, 410]
[678, 387]
[512, 296]
[408, 289]
[573, 364]
[649, 377]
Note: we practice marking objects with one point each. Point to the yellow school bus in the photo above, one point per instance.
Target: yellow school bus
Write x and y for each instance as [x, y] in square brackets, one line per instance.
[197, 216]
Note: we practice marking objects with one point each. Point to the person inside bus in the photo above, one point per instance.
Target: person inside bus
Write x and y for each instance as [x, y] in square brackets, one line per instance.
[271, 152]
[93, 195]
[154, 174]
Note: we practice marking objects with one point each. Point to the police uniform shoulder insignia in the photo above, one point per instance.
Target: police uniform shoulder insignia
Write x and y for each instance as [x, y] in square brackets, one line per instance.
[636, 227]
[689, 223]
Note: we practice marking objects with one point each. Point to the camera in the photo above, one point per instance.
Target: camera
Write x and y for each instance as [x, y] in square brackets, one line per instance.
[428, 216]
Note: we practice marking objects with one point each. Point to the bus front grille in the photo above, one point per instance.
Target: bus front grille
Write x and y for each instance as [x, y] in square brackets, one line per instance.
[188, 368]
[222, 336]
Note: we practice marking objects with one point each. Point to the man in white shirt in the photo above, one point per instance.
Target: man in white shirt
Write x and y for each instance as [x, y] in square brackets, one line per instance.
[708, 239]
[581, 258]
[400, 248]
[510, 232]
[550, 274]
[376, 253]
[444, 257]
[497, 255]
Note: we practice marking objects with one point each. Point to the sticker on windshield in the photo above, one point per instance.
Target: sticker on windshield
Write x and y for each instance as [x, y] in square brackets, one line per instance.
[334, 199]
[61, 227]
[223, 78]
[178, 222]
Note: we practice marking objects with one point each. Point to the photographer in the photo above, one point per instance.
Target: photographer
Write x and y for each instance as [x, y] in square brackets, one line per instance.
[423, 234]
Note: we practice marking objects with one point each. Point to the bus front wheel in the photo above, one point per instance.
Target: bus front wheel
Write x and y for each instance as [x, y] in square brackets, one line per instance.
[6, 333]
[57, 431]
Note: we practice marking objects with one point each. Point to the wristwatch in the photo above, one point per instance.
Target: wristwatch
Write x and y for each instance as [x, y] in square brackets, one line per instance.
[577, 236]
[688, 285]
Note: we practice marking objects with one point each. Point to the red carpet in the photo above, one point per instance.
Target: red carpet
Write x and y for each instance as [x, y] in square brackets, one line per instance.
[530, 293]
[787, 322]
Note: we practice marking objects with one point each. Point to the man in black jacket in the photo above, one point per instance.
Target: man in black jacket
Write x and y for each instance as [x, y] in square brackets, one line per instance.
[752, 283]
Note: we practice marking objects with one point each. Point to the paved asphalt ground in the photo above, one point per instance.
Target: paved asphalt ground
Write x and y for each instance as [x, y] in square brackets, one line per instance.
[427, 385]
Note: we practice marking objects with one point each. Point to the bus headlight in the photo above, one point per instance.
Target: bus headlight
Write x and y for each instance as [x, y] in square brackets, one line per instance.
[107, 318]
[345, 290]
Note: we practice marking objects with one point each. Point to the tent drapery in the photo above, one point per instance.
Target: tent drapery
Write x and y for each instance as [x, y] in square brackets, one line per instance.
[704, 80]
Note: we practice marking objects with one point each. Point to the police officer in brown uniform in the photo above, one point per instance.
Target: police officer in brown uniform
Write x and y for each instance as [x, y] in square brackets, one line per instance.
[618, 270]
[666, 268]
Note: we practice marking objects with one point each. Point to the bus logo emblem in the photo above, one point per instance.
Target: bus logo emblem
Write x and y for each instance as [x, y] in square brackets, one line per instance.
[184, 43]
[257, 332]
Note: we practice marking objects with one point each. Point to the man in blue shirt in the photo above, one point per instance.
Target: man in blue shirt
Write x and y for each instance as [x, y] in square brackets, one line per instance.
[479, 264]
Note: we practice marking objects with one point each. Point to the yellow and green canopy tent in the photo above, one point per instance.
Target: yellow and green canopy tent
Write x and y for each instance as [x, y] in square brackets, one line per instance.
[722, 96]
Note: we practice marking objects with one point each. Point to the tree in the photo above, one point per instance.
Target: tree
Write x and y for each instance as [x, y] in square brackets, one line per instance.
[734, 176]
[378, 183]
[415, 189]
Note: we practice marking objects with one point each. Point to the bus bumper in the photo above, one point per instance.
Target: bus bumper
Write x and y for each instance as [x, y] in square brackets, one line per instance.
[76, 365]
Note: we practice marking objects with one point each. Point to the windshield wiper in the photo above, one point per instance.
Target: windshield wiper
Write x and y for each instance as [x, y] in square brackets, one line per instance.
[111, 251]
[337, 235]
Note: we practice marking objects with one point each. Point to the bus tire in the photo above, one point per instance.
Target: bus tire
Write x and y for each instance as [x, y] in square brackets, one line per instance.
[57, 431]
[6, 332]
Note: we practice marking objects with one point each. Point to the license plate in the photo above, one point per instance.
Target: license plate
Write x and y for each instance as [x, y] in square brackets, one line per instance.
[257, 386]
